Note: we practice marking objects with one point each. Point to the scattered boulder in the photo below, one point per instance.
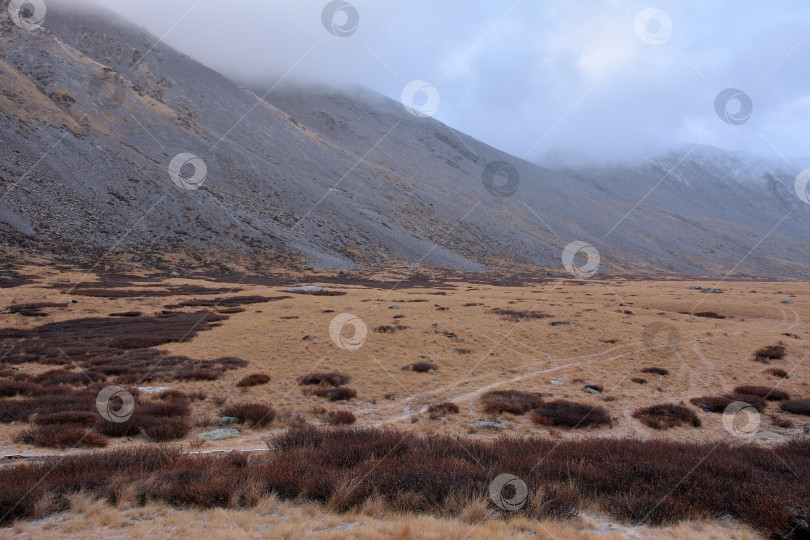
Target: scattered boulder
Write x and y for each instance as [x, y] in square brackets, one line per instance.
[219, 434]
[491, 424]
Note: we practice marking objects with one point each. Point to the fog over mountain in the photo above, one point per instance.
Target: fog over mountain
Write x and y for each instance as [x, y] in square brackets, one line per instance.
[113, 140]
[531, 77]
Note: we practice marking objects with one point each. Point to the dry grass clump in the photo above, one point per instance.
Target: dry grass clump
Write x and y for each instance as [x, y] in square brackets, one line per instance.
[341, 393]
[421, 367]
[62, 436]
[655, 371]
[511, 401]
[771, 352]
[325, 379]
[718, 404]
[796, 406]
[639, 380]
[254, 414]
[254, 379]
[570, 414]
[632, 480]
[442, 409]
[778, 372]
[765, 392]
[339, 418]
[666, 416]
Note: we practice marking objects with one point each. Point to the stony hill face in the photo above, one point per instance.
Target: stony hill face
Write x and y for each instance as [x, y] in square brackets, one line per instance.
[97, 116]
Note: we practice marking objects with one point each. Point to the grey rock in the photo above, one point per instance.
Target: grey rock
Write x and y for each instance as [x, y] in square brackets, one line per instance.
[787, 301]
[220, 434]
[556, 383]
[491, 424]
[305, 289]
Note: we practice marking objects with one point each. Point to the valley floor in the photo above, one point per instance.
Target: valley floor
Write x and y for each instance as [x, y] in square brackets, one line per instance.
[554, 337]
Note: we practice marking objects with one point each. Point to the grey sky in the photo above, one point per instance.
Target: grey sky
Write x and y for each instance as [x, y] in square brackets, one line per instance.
[531, 77]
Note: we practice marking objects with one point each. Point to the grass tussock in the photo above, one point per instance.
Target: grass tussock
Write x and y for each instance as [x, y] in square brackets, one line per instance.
[511, 401]
[666, 416]
[570, 414]
[254, 379]
[347, 469]
[655, 371]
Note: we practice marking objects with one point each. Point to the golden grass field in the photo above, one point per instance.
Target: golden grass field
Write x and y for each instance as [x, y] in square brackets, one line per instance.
[597, 331]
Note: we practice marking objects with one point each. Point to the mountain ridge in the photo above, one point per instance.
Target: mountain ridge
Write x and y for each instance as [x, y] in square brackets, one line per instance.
[334, 177]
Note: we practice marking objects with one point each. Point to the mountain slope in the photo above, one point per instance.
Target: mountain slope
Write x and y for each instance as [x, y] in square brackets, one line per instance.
[95, 109]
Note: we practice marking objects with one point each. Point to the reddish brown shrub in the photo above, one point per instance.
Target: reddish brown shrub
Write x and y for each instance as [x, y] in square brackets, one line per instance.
[797, 406]
[778, 372]
[666, 416]
[330, 379]
[421, 367]
[254, 379]
[570, 414]
[718, 404]
[233, 301]
[255, 414]
[514, 315]
[511, 401]
[655, 371]
[631, 480]
[341, 393]
[781, 421]
[58, 436]
[83, 418]
[18, 388]
[709, 315]
[441, 409]
[337, 418]
[765, 392]
[771, 352]
[165, 429]
[639, 380]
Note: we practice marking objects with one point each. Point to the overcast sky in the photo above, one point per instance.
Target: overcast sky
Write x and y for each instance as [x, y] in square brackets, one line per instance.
[533, 77]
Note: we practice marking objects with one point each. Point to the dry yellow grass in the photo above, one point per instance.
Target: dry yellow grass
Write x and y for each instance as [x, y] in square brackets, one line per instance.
[272, 518]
